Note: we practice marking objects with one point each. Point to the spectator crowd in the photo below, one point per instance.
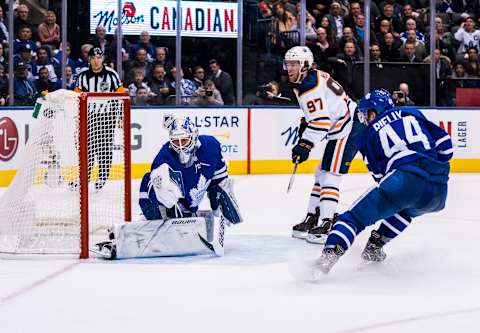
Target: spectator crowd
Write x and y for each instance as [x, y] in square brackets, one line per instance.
[399, 33]
[335, 32]
[148, 71]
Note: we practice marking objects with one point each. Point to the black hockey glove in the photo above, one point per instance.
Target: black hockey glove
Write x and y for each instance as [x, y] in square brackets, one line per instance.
[301, 151]
[302, 127]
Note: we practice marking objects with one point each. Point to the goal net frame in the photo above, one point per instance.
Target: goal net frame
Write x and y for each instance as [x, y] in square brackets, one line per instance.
[83, 162]
[73, 179]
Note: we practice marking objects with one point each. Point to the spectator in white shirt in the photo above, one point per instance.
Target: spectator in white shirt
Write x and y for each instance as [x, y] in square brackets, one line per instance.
[468, 36]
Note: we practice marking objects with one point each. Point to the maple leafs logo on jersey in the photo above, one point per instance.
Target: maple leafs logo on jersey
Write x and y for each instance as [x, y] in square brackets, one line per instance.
[198, 192]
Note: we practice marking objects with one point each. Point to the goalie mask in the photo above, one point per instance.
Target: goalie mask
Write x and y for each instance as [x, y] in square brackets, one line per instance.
[298, 60]
[183, 137]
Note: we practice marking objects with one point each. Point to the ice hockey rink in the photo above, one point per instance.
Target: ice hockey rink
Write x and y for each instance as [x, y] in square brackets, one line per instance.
[430, 281]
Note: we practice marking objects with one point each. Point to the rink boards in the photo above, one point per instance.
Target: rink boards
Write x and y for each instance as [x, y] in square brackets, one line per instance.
[254, 140]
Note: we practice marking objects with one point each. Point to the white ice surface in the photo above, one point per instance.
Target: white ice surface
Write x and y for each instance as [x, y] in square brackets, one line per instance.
[430, 281]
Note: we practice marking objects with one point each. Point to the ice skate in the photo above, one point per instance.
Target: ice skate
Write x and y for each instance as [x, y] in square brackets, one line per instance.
[108, 250]
[301, 230]
[328, 258]
[319, 234]
[373, 251]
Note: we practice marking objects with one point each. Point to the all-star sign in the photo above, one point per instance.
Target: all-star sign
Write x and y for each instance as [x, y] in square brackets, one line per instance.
[199, 18]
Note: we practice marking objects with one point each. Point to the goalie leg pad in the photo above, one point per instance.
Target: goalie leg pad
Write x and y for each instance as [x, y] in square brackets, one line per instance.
[221, 196]
[171, 237]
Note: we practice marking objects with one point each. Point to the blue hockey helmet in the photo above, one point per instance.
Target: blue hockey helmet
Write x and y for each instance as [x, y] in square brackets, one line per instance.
[377, 100]
[183, 136]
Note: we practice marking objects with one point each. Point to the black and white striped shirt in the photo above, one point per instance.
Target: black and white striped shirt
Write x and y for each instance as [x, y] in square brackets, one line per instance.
[107, 80]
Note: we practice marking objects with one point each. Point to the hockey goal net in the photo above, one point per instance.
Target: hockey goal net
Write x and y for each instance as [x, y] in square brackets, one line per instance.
[73, 180]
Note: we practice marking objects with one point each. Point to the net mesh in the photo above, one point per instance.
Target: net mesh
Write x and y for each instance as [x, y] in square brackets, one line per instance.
[40, 211]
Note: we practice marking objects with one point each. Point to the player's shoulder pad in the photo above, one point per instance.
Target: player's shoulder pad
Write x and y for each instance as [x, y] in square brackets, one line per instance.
[412, 111]
[209, 142]
[310, 82]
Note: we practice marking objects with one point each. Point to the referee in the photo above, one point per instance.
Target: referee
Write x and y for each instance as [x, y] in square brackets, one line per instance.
[102, 116]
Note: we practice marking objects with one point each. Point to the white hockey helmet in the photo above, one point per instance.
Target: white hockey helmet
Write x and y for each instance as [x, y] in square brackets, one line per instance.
[303, 55]
[183, 136]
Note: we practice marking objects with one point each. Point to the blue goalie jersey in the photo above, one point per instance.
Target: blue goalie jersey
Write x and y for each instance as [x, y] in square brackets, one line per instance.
[207, 170]
[402, 138]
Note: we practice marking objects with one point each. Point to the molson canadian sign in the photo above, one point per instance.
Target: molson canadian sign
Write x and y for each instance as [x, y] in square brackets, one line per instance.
[159, 18]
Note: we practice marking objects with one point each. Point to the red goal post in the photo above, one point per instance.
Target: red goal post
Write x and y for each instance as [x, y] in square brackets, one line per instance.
[85, 98]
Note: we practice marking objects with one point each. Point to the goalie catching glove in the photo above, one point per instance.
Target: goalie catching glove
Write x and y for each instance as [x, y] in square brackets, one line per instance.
[166, 190]
[222, 198]
[301, 151]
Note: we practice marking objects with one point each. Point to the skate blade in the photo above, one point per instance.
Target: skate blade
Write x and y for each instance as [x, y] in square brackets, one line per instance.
[299, 234]
[316, 240]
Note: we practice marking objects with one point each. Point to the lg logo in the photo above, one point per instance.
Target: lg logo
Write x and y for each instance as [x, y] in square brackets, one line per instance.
[8, 139]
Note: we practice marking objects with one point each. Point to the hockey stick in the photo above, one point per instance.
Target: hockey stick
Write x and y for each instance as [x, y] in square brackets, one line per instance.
[292, 177]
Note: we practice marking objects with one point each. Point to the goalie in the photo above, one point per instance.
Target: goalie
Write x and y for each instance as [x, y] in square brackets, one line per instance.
[187, 167]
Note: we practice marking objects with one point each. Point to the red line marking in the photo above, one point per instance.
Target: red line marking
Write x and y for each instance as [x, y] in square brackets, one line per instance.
[409, 320]
[36, 284]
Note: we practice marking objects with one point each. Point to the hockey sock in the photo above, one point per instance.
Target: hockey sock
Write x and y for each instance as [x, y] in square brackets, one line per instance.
[393, 226]
[329, 194]
[343, 232]
[314, 198]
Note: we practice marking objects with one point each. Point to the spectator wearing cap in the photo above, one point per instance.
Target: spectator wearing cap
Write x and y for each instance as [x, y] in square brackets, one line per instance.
[49, 30]
[144, 43]
[412, 25]
[3, 86]
[161, 58]
[26, 57]
[45, 60]
[82, 62]
[22, 20]
[160, 85]
[3, 28]
[24, 39]
[223, 81]
[24, 89]
[468, 36]
[100, 39]
[43, 83]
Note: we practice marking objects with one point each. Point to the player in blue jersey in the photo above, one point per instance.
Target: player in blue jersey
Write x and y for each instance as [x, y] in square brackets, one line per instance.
[186, 168]
[408, 156]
